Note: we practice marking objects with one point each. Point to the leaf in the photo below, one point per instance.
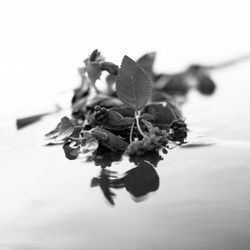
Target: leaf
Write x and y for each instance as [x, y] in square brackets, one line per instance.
[133, 84]
[109, 140]
[95, 182]
[103, 101]
[23, 122]
[70, 151]
[205, 85]
[141, 180]
[116, 121]
[74, 149]
[26, 121]
[147, 116]
[94, 71]
[105, 186]
[113, 121]
[176, 84]
[105, 157]
[89, 146]
[147, 62]
[95, 56]
[62, 131]
[93, 67]
[163, 113]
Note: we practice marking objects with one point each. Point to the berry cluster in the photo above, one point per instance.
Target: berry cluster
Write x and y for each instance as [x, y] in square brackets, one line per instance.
[162, 135]
[100, 113]
[178, 131]
[154, 141]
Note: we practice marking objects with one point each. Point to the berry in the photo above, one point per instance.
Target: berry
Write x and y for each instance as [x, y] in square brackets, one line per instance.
[178, 131]
[153, 142]
[100, 113]
[97, 108]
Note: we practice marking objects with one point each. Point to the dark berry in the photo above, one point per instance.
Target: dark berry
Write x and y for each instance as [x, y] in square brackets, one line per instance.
[97, 108]
[178, 131]
[100, 113]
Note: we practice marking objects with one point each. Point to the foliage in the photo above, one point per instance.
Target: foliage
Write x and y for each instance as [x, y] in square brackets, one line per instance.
[135, 120]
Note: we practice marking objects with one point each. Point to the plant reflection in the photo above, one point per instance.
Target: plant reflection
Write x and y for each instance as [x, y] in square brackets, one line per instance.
[138, 181]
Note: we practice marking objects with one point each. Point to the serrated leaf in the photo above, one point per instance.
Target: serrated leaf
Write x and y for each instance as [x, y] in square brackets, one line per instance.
[133, 84]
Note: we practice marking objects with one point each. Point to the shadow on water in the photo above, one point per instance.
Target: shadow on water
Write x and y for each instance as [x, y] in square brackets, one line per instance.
[138, 181]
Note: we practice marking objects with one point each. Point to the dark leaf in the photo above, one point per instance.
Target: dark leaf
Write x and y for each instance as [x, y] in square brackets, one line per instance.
[70, 151]
[133, 84]
[105, 157]
[103, 101]
[206, 85]
[94, 55]
[23, 122]
[105, 186]
[116, 121]
[141, 180]
[163, 112]
[147, 116]
[124, 110]
[109, 140]
[95, 182]
[176, 84]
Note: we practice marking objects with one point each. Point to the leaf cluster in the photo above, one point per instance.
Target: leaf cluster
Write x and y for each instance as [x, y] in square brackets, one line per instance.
[135, 118]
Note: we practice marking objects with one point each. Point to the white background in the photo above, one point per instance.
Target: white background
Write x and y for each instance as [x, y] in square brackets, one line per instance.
[43, 42]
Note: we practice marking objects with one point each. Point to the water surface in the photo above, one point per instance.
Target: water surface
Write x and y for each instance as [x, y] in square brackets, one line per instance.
[203, 199]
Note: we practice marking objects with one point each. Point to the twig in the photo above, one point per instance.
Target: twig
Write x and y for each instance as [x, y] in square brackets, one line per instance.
[131, 132]
[228, 63]
[137, 115]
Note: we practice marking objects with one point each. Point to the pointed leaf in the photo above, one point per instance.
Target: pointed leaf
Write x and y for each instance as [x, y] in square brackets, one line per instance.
[133, 84]
[147, 62]
[63, 130]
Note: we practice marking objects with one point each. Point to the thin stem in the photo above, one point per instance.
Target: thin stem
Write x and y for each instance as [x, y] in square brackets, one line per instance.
[137, 116]
[228, 63]
[131, 132]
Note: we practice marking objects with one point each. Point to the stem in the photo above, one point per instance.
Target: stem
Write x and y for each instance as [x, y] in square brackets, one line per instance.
[228, 63]
[137, 116]
[131, 132]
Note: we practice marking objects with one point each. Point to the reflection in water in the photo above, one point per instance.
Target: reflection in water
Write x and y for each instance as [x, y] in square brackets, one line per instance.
[138, 181]
[104, 157]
